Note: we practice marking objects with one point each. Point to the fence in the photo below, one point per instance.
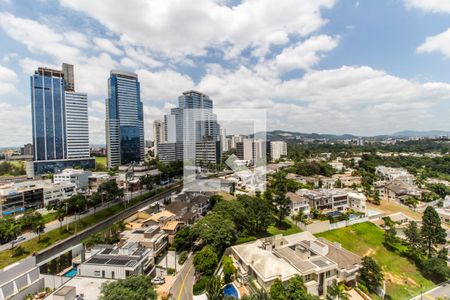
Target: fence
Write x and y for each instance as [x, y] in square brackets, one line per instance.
[321, 226]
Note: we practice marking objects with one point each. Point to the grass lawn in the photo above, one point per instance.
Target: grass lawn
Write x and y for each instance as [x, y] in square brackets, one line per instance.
[403, 279]
[100, 160]
[51, 216]
[285, 228]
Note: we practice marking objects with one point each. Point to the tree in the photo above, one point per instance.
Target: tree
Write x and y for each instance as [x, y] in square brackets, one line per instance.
[412, 234]
[38, 224]
[337, 291]
[131, 288]
[376, 198]
[95, 200]
[229, 270]
[432, 231]
[215, 230]
[282, 205]
[205, 260]
[258, 214]
[277, 291]
[214, 290]
[370, 274]
[295, 288]
[436, 268]
[148, 181]
[60, 215]
[214, 199]
[183, 239]
[12, 231]
[299, 217]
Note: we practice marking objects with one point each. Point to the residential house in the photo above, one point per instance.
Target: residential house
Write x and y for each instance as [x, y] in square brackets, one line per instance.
[116, 263]
[319, 262]
[299, 203]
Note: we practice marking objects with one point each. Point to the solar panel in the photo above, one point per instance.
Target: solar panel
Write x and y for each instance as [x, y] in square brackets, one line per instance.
[117, 261]
[97, 260]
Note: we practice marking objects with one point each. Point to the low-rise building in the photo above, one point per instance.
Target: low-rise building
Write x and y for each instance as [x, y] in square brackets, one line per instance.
[357, 202]
[319, 262]
[116, 263]
[78, 177]
[444, 215]
[18, 197]
[299, 203]
[390, 174]
[326, 199]
[396, 189]
[97, 178]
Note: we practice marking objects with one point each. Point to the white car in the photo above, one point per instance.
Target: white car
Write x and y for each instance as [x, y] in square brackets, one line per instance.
[158, 280]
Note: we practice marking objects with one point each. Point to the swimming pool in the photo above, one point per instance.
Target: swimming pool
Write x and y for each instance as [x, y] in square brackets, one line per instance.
[71, 273]
[231, 291]
[373, 212]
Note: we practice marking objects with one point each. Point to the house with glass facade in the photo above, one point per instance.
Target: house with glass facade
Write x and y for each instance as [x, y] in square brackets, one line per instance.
[124, 120]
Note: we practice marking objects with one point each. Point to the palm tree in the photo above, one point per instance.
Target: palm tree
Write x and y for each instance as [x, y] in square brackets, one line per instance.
[299, 217]
[60, 215]
[214, 290]
[337, 291]
[38, 225]
[260, 294]
[12, 231]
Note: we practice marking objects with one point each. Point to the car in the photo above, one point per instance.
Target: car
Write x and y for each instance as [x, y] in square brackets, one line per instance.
[19, 239]
[158, 280]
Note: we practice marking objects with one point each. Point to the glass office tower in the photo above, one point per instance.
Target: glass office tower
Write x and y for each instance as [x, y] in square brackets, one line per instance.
[124, 119]
[48, 114]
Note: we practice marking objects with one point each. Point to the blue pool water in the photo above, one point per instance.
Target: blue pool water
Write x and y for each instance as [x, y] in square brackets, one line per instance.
[71, 273]
[230, 291]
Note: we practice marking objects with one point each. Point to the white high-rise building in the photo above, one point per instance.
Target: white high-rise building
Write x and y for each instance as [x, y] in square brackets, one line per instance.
[77, 125]
[159, 134]
[170, 129]
[223, 140]
[277, 149]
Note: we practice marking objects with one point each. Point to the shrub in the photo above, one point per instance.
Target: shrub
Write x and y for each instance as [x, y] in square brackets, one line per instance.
[182, 257]
[200, 285]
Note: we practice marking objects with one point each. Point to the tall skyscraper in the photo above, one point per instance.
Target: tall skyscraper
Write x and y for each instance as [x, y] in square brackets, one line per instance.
[77, 125]
[190, 124]
[159, 134]
[69, 77]
[124, 119]
[48, 117]
[59, 122]
[278, 149]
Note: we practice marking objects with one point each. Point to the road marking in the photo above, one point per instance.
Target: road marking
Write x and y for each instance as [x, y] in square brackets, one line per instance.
[182, 283]
[429, 297]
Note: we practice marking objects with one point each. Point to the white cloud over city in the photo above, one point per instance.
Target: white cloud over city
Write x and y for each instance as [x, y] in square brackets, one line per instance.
[256, 54]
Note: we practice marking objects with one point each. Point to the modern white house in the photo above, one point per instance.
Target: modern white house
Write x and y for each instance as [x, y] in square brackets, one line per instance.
[116, 263]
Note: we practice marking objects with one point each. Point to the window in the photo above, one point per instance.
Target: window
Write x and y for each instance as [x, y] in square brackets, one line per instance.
[96, 273]
[112, 274]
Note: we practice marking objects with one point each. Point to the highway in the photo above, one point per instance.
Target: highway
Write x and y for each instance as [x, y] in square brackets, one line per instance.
[182, 286]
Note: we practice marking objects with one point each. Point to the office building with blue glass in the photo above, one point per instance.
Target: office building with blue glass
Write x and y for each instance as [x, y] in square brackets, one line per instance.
[124, 120]
[58, 142]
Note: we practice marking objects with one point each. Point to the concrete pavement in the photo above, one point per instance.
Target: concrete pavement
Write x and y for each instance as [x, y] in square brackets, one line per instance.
[183, 284]
[440, 292]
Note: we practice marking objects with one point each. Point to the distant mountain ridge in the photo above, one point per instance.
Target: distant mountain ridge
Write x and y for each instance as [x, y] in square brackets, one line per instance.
[291, 135]
[413, 133]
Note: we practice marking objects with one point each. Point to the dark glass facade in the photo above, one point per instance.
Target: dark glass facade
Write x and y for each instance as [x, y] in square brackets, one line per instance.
[124, 120]
[48, 115]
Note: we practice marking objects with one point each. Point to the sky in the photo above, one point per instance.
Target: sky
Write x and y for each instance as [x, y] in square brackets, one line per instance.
[328, 66]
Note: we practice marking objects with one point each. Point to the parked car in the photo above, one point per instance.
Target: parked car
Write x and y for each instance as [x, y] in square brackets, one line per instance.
[158, 280]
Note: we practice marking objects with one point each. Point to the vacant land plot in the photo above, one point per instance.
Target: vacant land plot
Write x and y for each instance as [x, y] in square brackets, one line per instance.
[403, 279]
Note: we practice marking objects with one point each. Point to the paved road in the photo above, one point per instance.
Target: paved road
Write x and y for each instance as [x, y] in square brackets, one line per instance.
[67, 220]
[441, 291]
[182, 286]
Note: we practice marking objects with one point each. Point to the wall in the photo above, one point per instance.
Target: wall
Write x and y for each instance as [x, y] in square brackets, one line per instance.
[321, 226]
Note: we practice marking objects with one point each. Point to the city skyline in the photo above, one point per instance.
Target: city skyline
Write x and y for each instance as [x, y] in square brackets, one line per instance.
[323, 67]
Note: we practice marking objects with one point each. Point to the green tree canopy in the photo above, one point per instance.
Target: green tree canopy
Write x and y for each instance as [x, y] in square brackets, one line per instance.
[131, 288]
